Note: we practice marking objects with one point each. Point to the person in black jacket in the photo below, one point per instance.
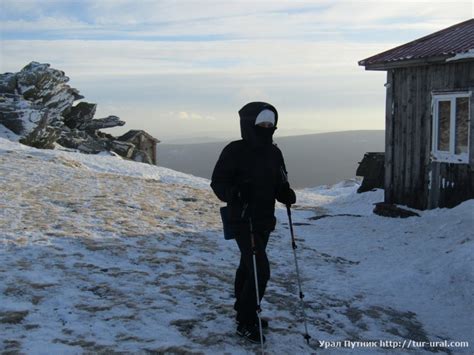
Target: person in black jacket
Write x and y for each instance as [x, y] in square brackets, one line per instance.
[249, 175]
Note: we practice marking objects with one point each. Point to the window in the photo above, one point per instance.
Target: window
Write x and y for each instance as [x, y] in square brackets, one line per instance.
[451, 127]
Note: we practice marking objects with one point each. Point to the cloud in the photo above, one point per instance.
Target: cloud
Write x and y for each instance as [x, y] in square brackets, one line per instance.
[297, 75]
[183, 115]
[181, 66]
[246, 59]
[46, 23]
[191, 20]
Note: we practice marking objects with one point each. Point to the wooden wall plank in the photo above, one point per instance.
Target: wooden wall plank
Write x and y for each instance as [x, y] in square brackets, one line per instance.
[417, 168]
[404, 135]
[426, 129]
[410, 136]
[397, 157]
[471, 130]
[396, 96]
[388, 189]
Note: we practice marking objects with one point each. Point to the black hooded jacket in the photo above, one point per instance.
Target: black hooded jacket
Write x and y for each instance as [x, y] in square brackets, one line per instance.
[254, 160]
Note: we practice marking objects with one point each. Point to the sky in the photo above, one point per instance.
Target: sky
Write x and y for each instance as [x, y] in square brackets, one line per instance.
[183, 69]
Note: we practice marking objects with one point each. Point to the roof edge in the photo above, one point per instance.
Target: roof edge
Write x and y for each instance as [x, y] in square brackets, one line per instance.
[415, 41]
[408, 63]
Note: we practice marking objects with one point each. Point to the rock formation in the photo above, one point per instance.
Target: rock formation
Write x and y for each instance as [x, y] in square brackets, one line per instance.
[38, 105]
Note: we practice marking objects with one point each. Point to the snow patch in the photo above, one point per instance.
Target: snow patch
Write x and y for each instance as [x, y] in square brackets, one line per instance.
[101, 255]
[460, 56]
[7, 134]
[111, 164]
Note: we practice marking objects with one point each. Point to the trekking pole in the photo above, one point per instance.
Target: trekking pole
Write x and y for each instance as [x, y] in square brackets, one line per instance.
[293, 244]
[254, 257]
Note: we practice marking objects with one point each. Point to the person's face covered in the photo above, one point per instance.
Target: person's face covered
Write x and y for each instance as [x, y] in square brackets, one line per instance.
[264, 132]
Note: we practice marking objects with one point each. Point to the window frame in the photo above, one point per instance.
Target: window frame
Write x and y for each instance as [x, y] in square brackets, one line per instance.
[451, 156]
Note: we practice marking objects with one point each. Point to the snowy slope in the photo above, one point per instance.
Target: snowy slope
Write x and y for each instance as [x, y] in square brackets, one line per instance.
[99, 254]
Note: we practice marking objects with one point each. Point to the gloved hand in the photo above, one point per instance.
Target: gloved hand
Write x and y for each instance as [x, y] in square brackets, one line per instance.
[286, 195]
[244, 192]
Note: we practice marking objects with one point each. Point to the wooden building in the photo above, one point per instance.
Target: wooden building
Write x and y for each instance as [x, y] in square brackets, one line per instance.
[429, 132]
[144, 143]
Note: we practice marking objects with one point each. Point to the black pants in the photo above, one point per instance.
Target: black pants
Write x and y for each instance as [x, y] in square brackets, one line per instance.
[246, 299]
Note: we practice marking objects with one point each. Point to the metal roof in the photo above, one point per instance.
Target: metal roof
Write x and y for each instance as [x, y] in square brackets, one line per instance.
[435, 47]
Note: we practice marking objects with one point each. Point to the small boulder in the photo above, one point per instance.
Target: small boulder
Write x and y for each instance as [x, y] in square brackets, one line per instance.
[373, 170]
[123, 149]
[142, 157]
[43, 136]
[19, 115]
[8, 83]
[96, 124]
[76, 139]
[79, 114]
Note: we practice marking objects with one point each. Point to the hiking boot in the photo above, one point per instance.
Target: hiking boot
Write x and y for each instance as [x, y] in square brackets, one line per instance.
[250, 332]
[264, 323]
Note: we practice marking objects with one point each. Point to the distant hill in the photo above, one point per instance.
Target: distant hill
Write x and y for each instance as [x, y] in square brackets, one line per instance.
[312, 160]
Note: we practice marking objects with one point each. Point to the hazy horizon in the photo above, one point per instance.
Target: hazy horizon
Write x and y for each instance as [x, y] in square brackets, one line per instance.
[311, 159]
[224, 137]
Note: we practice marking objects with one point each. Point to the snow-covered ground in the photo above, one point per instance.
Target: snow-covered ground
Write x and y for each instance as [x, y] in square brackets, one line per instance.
[102, 255]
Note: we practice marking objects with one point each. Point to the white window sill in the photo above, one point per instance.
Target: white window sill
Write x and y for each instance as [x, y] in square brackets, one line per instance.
[449, 158]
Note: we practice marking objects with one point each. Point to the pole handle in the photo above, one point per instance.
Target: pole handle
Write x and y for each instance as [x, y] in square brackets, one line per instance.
[290, 221]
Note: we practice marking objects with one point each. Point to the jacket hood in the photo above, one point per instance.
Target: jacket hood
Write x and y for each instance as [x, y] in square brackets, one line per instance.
[248, 114]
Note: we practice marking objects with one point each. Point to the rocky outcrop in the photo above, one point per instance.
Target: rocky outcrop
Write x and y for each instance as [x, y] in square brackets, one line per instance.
[19, 115]
[141, 157]
[43, 136]
[99, 123]
[47, 87]
[124, 149]
[79, 114]
[82, 141]
[38, 105]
